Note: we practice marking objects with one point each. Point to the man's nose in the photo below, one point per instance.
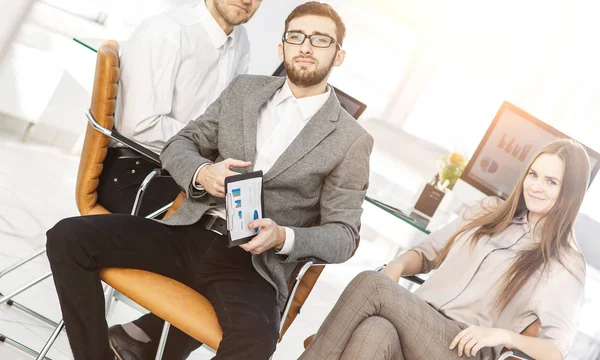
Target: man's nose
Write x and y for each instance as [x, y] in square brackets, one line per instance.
[306, 47]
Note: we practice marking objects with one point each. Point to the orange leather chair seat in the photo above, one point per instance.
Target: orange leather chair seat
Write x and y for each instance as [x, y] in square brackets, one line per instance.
[183, 307]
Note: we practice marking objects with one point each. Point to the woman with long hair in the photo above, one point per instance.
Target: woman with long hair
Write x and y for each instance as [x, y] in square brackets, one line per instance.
[500, 267]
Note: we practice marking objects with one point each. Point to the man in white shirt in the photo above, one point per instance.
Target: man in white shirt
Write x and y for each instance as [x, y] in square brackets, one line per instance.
[173, 66]
[315, 159]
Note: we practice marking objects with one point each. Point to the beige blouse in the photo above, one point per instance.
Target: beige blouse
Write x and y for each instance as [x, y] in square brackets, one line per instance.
[466, 285]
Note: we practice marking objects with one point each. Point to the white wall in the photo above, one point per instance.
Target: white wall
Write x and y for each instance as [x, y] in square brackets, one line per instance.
[265, 30]
[11, 16]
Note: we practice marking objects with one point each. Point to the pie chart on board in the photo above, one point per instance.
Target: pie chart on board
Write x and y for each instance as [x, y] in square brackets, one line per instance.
[488, 164]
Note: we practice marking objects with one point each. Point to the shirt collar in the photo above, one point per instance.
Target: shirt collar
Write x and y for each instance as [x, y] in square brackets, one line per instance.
[213, 29]
[520, 218]
[530, 233]
[308, 106]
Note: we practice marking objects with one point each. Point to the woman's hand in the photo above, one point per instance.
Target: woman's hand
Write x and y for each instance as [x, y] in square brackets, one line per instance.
[474, 338]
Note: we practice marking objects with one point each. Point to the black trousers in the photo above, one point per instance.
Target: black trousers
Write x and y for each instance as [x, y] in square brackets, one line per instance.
[78, 247]
[123, 173]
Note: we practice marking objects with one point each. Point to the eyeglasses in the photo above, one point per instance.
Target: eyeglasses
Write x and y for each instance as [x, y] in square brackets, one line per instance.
[319, 41]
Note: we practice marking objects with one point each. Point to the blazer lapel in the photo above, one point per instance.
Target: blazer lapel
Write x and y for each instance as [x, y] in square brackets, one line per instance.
[255, 100]
[313, 133]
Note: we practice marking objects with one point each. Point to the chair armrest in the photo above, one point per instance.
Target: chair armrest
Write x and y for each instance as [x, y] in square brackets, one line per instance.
[146, 153]
[412, 278]
[313, 260]
[296, 283]
[514, 354]
[137, 204]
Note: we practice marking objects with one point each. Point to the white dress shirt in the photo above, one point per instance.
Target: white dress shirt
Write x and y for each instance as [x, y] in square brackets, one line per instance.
[279, 122]
[173, 67]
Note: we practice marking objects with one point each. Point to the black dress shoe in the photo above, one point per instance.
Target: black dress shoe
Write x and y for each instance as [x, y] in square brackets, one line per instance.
[127, 348]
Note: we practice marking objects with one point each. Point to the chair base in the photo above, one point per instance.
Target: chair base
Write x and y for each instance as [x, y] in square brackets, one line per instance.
[22, 262]
[9, 341]
[30, 312]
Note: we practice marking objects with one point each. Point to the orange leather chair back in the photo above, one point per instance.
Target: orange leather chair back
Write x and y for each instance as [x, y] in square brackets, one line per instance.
[104, 95]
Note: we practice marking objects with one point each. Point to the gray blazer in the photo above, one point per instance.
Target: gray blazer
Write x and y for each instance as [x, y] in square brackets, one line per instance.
[324, 171]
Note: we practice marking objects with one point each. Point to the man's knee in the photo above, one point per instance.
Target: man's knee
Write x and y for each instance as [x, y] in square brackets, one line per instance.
[267, 330]
[258, 334]
[61, 237]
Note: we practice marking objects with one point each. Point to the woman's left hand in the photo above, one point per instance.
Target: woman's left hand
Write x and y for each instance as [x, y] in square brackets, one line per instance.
[474, 338]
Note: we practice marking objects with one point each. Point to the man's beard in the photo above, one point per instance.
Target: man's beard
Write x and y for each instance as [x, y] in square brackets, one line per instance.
[306, 78]
[230, 19]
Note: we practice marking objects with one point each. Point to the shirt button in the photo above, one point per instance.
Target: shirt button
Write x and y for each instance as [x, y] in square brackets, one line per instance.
[133, 171]
[115, 179]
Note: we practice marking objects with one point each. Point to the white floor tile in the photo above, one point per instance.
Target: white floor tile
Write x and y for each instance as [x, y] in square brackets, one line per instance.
[20, 222]
[8, 352]
[16, 247]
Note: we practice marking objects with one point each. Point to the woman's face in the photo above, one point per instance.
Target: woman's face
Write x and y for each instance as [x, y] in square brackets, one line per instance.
[542, 184]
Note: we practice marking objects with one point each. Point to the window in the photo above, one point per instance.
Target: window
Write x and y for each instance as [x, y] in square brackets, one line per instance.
[380, 48]
[542, 63]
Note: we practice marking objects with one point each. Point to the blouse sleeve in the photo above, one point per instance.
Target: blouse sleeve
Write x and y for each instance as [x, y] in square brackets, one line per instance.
[433, 244]
[430, 248]
[559, 306]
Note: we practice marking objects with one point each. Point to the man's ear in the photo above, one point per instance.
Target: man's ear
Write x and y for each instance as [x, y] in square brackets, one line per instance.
[280, 52]
[339, 58]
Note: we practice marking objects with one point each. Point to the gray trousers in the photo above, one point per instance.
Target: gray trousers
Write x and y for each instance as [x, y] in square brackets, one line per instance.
[375, 318]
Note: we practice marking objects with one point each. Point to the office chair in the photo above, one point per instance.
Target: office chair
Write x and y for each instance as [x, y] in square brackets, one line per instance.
[174, 302]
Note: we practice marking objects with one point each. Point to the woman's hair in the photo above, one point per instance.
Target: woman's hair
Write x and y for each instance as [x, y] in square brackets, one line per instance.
[557, 230]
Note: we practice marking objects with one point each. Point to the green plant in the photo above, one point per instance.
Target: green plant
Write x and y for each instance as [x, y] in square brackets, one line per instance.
[451, 167]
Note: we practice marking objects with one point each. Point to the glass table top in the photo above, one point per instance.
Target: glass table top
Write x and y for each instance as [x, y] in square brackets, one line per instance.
[91, 44]
[94, 44]
[409, 217]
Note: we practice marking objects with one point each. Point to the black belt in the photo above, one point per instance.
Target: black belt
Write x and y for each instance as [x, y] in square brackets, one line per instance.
[124, 153]
[214, 223]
